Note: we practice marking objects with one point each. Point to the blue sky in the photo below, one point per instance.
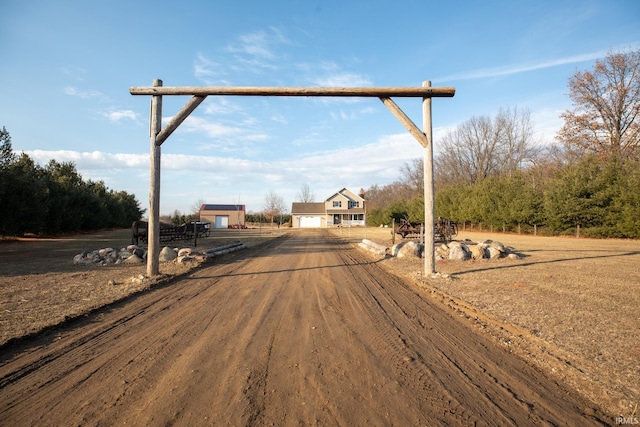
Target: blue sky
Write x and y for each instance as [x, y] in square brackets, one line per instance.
[66, 68]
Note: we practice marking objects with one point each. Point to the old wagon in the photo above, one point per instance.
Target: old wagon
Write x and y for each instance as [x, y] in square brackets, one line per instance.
[170, 232]
[444, 230]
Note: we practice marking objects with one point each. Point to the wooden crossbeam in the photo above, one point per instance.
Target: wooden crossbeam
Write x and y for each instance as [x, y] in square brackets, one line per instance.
[372, 92]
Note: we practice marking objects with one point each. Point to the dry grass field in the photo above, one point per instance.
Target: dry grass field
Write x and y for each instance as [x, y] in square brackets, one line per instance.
[570, 306]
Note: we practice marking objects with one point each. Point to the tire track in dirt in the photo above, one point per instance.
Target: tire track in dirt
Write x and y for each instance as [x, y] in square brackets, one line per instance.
[414, 337]
[303, 331]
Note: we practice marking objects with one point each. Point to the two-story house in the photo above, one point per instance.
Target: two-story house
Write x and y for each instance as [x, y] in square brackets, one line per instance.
[344, 208]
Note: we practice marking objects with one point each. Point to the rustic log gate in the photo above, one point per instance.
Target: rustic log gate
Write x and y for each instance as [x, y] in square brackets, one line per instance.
[159, 135]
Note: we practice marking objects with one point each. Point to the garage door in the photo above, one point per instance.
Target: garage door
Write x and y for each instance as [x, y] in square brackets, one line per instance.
[310, 222]
[222, 221]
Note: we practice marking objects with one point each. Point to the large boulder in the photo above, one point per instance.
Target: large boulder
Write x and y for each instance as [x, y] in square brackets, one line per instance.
[494, 252]
[185, 252]
[408, 249]
[79, 259]
[477, 251]
[133, 259]
[372, 246]
[441, 252]
[458, 253]
[167, 254]
[499, 246]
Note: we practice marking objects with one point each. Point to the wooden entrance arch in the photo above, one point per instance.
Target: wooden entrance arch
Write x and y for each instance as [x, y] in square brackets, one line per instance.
[158, 135]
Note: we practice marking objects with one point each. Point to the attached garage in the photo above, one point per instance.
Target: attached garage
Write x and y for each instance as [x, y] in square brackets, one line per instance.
[310, 221]
[308, 215]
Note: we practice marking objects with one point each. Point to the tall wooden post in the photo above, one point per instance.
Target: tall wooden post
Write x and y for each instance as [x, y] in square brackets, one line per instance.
[429, 240]
[153, 254]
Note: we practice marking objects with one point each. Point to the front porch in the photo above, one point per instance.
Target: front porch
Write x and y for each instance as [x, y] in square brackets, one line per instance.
[345, 220]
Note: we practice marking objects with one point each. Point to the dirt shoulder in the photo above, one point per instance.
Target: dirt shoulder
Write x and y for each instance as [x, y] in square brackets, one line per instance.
[570, 306]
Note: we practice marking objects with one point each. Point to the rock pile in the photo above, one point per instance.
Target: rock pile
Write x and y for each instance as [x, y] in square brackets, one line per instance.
[456, 251]
[133, 254]
[466, 250]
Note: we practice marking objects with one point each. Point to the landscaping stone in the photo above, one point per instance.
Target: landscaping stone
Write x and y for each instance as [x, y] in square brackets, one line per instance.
[185, 252]
[408, 249]
[167, 254]
[111, 256]
[494, 252]
[499, 246]
[459, 253]
[133, 259]
[477, 251]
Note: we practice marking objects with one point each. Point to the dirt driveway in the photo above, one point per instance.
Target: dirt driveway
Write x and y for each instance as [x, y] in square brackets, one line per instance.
[304, 330]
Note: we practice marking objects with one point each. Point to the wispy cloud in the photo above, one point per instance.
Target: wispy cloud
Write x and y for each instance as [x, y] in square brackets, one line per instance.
[352, 114]
[77, 74]
[221, 105]
[332, 75]
[343, 79]
[521, 68]
[210, 129]
[253, 52]
[116, 116]
[260, 44]
[208, 71]
[261, 50]
[229, 136]
[83, 94]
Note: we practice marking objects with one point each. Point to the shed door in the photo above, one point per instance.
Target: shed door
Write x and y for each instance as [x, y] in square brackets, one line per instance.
[310, 222]
[222, 221]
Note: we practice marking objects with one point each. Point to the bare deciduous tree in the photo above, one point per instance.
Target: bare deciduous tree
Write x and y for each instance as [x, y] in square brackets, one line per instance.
[273, 206]
[305, 195]
[482, 147]
[605, 119]
[413, 177]
[518, 144]
[195, 208]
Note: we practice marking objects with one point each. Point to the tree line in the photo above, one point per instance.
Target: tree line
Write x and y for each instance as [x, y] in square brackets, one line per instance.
[55, 198]
[491, 173]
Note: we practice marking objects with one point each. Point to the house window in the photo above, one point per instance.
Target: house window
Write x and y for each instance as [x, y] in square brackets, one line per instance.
[337, 204]
[354, 204]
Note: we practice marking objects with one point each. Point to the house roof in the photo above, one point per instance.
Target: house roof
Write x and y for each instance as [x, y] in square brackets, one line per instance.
[206, 207]
[345, 192]
[307, 208]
